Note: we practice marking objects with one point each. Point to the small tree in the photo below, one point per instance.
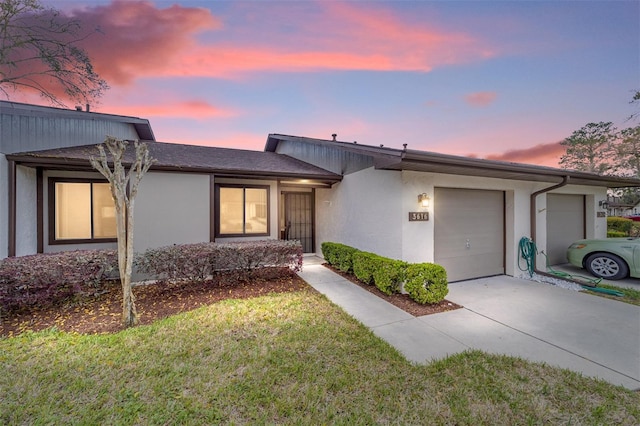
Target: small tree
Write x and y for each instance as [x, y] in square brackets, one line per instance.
[590, 149]
[39, 52]
[120, 180]
[629, 151]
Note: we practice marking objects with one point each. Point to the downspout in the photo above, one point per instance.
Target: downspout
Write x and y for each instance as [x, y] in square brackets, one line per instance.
[11, 234]
[532, 214]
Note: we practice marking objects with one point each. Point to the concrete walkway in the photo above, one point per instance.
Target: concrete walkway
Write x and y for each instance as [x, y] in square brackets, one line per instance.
[503, 315]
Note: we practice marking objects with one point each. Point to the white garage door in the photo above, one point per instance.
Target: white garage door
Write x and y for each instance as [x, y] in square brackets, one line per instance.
[469, 232]
[565, 224]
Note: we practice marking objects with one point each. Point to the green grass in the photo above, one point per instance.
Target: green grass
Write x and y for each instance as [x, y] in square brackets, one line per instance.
[282, 359]
[630, 295]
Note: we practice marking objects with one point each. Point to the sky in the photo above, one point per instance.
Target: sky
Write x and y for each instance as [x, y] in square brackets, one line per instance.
[504, 80]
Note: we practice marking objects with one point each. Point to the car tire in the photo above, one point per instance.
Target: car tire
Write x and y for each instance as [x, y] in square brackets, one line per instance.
[607, 266]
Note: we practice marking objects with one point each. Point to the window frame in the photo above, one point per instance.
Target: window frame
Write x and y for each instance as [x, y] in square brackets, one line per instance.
[51, 196]
[218, 233]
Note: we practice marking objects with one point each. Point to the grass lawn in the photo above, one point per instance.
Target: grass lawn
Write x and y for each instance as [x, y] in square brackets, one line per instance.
[282, 358]
[629, 295]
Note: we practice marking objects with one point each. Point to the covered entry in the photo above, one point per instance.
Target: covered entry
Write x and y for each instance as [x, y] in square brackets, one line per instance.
[565, 224]
[469, 232]
[297, 221]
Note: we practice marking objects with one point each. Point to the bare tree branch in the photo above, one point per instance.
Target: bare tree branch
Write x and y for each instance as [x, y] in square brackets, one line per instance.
[39, 53]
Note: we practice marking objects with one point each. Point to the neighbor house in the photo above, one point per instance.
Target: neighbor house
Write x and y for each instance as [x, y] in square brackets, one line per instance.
[464, 213]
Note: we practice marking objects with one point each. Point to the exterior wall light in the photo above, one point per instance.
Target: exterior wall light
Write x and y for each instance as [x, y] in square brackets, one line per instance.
[604, 204]
[423, 199]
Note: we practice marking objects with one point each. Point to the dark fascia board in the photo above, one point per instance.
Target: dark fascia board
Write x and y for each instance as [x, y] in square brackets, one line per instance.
[443, 163]
[142, 125]
[426, 161]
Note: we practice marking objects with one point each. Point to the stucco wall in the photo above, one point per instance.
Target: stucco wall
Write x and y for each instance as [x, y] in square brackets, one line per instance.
[27, 214]
[369, 210]
[365, 211]
[171, 208]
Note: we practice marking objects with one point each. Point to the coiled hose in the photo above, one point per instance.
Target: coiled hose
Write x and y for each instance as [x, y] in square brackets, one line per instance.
[527, 250]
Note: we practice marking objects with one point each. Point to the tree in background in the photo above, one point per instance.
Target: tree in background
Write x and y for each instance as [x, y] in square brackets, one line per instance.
[635, 101]
[120, 181]
[628, 150]
[39, 53]
[591, 149]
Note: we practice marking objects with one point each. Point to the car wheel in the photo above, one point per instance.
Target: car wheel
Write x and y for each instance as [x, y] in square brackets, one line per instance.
[605, 265]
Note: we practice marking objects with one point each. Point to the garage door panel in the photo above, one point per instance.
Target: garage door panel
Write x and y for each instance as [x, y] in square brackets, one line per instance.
[469, 232]
[565, 224]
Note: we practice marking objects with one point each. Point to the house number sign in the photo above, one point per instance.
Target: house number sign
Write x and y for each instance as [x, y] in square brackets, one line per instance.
[418, 216]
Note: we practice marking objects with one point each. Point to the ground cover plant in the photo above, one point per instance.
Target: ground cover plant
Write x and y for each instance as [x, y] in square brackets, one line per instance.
[284, 357]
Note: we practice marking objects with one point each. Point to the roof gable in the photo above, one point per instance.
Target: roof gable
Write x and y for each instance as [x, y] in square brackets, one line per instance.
[385, 158]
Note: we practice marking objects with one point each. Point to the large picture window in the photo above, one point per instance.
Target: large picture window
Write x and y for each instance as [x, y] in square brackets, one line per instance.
[242, 210]
[80, 211]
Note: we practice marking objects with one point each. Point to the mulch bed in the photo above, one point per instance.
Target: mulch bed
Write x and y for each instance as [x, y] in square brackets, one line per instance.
[103, 313]
[402, 301]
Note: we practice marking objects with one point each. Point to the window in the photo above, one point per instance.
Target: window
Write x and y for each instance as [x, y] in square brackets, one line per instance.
[242, 210]
[80, 211]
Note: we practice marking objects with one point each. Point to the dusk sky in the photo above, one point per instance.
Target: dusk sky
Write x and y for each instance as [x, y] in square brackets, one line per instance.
[494, 79]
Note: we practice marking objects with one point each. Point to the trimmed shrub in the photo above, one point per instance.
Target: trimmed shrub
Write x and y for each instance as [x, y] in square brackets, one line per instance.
[197, 262]
[364, 265]
[426, 283]
[616, 234]
[192, 262]
[619, 224]
[389, 274]
[339, 255]
[46, 279]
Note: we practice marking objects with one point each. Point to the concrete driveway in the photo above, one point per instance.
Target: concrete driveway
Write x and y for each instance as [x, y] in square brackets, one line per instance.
[504, 315]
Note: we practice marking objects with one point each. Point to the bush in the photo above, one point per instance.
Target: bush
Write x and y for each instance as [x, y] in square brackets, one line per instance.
[338, 255]
[616, 234]
[389, 274]
[364, 265]
[197, 262]
[426, 283]
[45, 279]
[619, 224]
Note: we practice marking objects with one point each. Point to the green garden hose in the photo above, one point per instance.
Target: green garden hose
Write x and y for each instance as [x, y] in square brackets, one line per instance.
[527, 249]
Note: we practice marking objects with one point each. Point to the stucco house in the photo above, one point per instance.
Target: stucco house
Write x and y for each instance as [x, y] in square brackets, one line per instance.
[466, 214]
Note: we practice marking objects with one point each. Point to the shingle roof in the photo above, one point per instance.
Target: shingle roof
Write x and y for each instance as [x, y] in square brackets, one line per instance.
[425, 161]
[189, 158]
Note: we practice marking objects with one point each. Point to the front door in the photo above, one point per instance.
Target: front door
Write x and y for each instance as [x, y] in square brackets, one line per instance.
[298, 218]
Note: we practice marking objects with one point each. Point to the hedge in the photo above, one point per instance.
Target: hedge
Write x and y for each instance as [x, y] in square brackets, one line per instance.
[619, 224]
[197, 262]
[46, 279]
[616, 234]
[424, 282]
[364, 265]
[338, 255]
[389, 275]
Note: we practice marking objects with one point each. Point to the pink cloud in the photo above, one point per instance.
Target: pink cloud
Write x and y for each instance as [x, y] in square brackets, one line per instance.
[546, 154]
[480, 99]
[193, 109]
[136, 38]
[141, 40]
